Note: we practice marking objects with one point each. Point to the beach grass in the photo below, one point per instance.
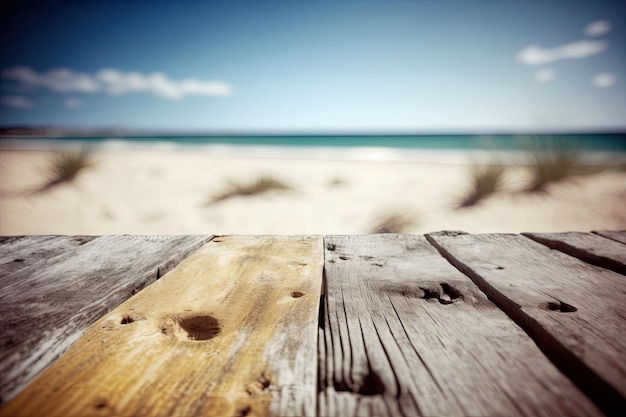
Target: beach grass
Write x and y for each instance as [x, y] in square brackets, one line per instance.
[485, 181]
[552, 160]
[64, 167]
[395, 222]
[261, 185]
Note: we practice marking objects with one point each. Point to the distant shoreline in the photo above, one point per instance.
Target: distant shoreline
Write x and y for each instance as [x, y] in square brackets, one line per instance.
[443, 155]
[584, 142]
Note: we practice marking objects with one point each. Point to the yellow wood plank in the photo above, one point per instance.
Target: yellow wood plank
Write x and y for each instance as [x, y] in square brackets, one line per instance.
[231, 331]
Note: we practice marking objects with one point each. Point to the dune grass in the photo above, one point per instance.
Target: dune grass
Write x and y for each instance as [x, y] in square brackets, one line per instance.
[551, 160]
[261, 185]
[485, 181]
[64, 167]
[397, 222]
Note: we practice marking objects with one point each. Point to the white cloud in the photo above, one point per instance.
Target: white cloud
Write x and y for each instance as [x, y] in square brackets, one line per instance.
[544, 75]
[73, 103]
[60, 80]
[19, 102]
[115, 82]
[598, 28]
[536, 55]
[603, 80]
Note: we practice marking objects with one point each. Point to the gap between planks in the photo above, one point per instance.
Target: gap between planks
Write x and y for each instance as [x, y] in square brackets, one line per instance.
[574, 311]
[406, 334]
[46, 306]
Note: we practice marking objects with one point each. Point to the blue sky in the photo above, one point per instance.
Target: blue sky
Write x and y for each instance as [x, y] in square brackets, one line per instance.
[298, 66]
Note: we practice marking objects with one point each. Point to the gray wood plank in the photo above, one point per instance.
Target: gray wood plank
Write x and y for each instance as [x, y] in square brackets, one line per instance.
[575, 312]
[23, 251]
[617, 235]
[404, 333]
[589, 247]
[44, 308]
[231, 331]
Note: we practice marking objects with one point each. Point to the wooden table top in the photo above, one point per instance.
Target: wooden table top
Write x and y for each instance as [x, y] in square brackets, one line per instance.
[446, 324]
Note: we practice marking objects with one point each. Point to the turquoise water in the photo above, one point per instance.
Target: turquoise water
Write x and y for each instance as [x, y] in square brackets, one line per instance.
[592, 142]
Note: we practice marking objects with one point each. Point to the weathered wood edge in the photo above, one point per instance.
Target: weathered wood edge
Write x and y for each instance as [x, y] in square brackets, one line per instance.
[596, 388]
[591, 248]
[20, 252]
[26, 356]
[616, 235]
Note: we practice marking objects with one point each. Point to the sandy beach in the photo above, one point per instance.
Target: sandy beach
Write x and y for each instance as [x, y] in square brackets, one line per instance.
[169, 192]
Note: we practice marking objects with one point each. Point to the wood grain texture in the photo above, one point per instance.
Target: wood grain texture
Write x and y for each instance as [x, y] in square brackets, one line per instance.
[575, 312]
[406, 334]
[23, 251]
[616, 235]
[231, 331]
[589, 247]
[44, 308]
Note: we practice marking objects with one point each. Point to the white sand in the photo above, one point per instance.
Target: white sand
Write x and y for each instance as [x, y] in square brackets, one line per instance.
[164, 192]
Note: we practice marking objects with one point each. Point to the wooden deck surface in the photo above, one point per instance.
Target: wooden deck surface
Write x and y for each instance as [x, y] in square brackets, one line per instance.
[446, 324]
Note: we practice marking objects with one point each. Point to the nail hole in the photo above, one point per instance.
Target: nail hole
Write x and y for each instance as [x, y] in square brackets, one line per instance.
[449, 289]
[559, 306]
[258, 386]
[297, 294]
[244, 412]
[101, 404]
[200, 327]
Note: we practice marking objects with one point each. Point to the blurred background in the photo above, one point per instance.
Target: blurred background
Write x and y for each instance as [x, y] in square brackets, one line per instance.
[312, 117]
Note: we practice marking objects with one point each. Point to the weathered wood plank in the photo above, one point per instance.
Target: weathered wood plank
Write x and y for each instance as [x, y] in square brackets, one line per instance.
[44, 308]
[406, 334]
[231, 331]
[575, 312]
[617, 235]
[589, 247]
[23, 251]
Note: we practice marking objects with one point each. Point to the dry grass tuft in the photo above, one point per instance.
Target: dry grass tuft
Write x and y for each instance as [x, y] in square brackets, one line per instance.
[261, 185]
[398, 222]
[65, 167]
[486, 180]
[552, 160]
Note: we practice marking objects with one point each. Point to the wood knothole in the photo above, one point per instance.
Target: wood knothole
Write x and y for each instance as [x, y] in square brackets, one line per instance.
[371, 385]
[448, 296]
[199, 327]
[297, 294]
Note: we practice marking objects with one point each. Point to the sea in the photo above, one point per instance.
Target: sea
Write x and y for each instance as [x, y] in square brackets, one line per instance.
[606, 147]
